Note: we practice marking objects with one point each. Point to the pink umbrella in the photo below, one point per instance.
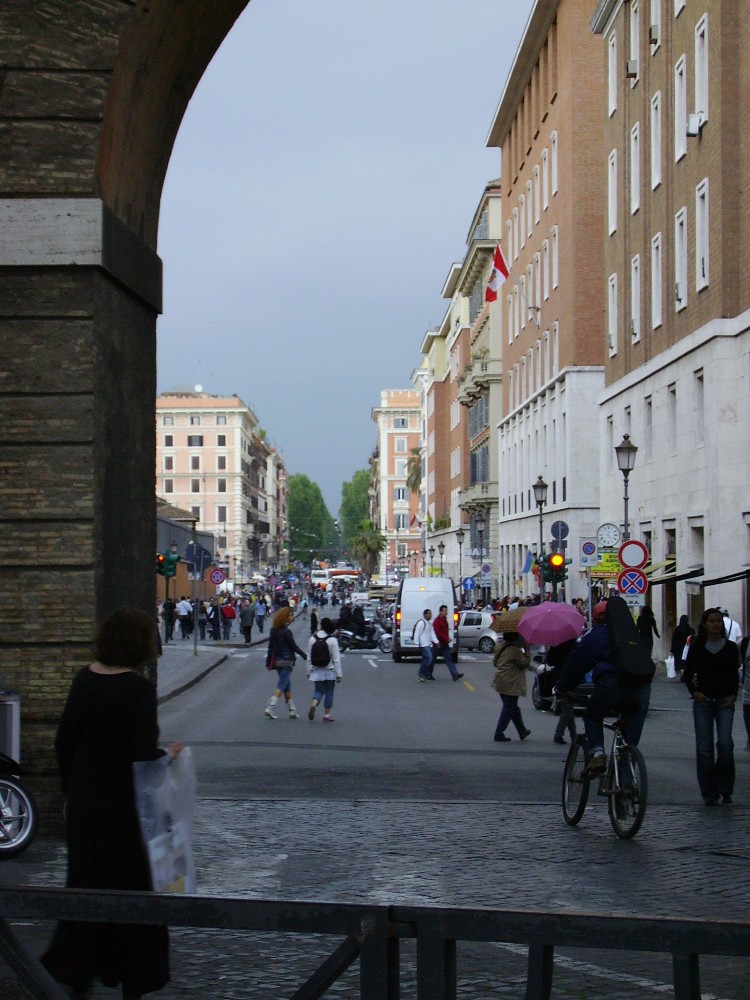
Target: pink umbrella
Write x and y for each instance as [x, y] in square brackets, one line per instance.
[551, 623]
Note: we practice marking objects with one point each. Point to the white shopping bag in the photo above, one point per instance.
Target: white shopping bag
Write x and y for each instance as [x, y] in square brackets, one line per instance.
[165, 800]
[671, 672]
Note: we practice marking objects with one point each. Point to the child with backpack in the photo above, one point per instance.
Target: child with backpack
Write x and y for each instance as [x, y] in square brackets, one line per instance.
[323, 668]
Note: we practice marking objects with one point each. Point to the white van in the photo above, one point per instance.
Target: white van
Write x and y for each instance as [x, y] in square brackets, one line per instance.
[415, 594]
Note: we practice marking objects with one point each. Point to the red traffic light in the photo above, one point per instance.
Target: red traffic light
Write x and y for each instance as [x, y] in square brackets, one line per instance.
[160, 562]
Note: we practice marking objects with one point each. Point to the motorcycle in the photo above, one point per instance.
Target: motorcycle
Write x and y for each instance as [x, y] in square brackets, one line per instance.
[19, 817]
[376, 638]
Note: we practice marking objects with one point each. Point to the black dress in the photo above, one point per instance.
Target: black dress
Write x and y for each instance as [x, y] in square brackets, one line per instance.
[108, 722]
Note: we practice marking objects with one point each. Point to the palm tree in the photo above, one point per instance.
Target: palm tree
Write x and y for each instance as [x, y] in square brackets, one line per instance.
[367, 546]
[414, 470]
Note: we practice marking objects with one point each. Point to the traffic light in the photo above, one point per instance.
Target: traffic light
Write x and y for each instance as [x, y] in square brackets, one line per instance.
[557, 563]
[545, 574]
[170, 564]
[160, 564]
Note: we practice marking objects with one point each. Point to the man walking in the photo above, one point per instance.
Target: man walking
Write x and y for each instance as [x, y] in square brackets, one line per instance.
[442, 631]
[260, 612]
[424, 636]
[247, 617]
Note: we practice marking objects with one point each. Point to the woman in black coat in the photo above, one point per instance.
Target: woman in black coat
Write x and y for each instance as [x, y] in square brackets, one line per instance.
[680, 636]
[647, 626]
[109, 721]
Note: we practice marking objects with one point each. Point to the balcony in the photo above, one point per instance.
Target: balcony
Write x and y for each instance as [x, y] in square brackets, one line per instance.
[477, 377]
[479, 495]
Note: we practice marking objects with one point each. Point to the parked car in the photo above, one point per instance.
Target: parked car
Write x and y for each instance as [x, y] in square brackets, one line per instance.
[475, 631]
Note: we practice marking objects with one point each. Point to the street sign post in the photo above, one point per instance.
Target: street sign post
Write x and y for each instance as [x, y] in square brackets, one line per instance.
[468, 583]
[632, 554]
[217, 576]
[632, 582]
[589, 555]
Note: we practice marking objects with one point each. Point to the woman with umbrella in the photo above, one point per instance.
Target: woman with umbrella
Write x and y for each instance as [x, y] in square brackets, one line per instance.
[511, 661]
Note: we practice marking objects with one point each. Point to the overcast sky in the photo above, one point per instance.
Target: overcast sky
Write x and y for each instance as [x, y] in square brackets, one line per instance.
[323, 181]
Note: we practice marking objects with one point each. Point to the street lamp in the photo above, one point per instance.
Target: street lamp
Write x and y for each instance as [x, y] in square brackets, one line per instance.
[480, 524]
[540, 496]
[432, 556]
[626, 452]
[424, 560]
[441, 550]
[414, 557]
[460, 535]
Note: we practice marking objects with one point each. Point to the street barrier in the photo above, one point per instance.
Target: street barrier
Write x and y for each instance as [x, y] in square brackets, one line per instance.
[372, 935]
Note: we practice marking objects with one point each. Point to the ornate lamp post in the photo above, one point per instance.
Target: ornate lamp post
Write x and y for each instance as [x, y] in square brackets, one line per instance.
[480, 524]
[432, 556]
[441, 550]
[460, 535]
[414, 555]
[626, 452]
[424, 560]
[540, 496]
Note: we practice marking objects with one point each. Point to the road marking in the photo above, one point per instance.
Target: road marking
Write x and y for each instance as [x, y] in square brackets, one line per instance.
[469, 685]
[373, 663]
[595, 970]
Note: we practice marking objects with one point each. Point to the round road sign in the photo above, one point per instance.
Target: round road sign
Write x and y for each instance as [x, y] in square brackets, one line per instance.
[588, 547]
[632, 554]
[217, 576]
[632, 582]
[468, 583]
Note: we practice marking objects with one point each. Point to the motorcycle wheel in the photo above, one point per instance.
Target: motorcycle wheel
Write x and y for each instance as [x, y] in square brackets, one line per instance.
[385, 643]
[18, 818]
[536, 696]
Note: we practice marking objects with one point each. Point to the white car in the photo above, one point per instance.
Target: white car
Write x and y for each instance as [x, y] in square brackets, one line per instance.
[475, 631]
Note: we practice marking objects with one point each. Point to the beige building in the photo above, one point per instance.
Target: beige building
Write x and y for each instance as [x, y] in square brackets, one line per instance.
[394, 507]
[549, 128]
[212, 460]
[675, 292]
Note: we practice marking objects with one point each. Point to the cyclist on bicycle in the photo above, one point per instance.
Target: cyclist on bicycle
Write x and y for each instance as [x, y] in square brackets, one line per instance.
[611, 693]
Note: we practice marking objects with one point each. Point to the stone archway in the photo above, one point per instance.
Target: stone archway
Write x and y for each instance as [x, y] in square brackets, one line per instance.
[91, 98]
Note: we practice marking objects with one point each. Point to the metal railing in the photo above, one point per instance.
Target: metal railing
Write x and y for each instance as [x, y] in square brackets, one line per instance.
[372, 935]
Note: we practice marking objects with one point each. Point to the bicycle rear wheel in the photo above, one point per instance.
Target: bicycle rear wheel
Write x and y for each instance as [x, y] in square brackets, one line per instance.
[627, 807]
[575, 787]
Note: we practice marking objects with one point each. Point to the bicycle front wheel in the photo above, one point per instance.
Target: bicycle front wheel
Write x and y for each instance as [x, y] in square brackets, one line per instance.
[627, 805]
[575, 787]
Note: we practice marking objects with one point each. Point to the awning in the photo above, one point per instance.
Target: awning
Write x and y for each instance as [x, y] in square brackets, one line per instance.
[654, 567]
[675, 577]
[742, 574]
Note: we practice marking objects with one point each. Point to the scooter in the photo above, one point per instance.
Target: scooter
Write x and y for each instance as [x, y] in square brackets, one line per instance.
[377, 638]
[19, 817]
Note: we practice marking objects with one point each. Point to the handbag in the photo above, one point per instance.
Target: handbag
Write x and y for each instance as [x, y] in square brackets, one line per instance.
[271, 665]
[671, 672]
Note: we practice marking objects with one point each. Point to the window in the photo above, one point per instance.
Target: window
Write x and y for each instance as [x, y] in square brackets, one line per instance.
[537, 282]
[553, 161]
[612, 73]
[400, 445]
[168, 421]
[195, 421]
[195, 463]
[195, 440]
[699, 407]
[169, 485]
[195, 485]
[221, 517]
[400, 522]
[221, 440]
[510, 319]
[612, 314]
[479, 415]
[221, 462]
[516, 312]
[701, 235]
[680, 259]
[654, 31]
[399, 494]
[635, 39]
[678, 6]
[221, 485]
[555, 258]
[648, 425]
[221, 419]
[656, 140]
[537, 195]
[522, 219]
[555, 348]
[545, 269]
[529, 209]
[635, 168]
[612, 192]
[196, 512]
[515, 234]
[547, 369]
[401, 467]
[680, 109]
[400, 423]
[168, 463]
[480, 465]
[701, 68]
[672, 416]
[525, 303]
[656, 282]
[168, 441]
[545, 180]
[509, 240]
[635, 298]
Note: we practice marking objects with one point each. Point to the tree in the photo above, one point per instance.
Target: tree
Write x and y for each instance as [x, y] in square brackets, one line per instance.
[414, 470]
[367, 546]
[312, 530]
[354, 504]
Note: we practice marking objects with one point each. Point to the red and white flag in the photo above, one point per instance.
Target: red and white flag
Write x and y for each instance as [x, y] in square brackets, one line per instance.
[498, 274]
[414, 521]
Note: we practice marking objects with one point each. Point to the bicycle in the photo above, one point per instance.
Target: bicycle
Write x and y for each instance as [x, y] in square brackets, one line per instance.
[624, 783]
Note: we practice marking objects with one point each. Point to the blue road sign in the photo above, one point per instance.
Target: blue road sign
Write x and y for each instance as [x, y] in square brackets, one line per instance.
[468, 583]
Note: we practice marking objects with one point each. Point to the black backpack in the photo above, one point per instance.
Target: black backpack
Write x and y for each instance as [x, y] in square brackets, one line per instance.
[320, 654]
[630, 652]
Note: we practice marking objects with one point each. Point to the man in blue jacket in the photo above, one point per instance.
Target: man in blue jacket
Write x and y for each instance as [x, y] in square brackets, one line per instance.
[611, 693]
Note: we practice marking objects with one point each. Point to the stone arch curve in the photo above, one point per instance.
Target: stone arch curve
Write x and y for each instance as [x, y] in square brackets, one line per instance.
[92, 95]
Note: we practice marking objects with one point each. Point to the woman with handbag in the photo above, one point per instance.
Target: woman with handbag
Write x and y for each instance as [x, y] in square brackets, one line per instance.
[282, 652]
